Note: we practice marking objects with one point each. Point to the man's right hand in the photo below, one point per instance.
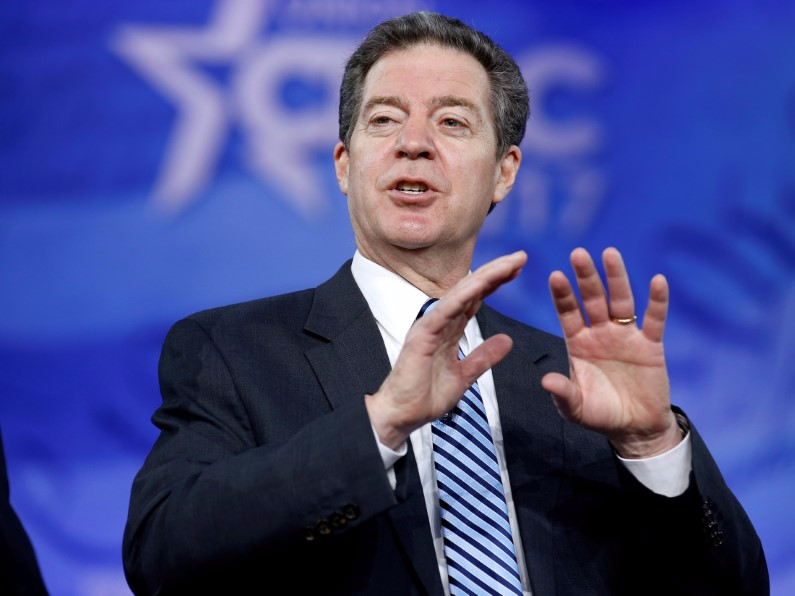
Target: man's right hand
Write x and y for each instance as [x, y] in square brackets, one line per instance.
[428, 379]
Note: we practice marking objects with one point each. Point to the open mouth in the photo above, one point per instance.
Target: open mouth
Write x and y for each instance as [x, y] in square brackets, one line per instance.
[411, 187]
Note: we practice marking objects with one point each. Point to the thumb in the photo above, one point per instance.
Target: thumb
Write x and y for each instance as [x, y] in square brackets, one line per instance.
[565, 394]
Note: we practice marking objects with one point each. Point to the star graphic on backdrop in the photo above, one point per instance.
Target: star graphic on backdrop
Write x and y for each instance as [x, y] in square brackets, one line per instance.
[278, 141]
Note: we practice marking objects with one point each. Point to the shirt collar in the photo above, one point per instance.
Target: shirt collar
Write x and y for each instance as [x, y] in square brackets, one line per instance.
[393, 301]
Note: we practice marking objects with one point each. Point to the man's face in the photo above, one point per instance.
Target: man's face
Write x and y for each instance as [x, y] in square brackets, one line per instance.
[421, 170]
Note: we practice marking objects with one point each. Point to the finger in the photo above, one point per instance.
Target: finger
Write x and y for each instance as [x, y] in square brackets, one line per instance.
[486, 355]
[498, 272]
[657, 310]
[469, 369]
[622, 303]
[467, 295]
[442, 327]
[565, 394]
[592, 291]
[566, 304]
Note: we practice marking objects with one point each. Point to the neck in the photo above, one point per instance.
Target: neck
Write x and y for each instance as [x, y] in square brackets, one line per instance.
[431, 271]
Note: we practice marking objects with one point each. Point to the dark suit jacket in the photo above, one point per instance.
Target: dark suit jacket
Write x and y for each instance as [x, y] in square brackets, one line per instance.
[19, 570]
[266, 472]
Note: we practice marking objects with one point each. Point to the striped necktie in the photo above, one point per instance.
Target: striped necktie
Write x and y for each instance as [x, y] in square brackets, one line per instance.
[477, 534]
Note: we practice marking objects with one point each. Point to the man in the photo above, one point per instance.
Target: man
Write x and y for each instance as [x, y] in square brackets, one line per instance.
[303, 445]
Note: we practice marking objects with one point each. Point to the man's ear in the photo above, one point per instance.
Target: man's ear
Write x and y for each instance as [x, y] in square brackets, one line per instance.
[341, 162]
[506, 173]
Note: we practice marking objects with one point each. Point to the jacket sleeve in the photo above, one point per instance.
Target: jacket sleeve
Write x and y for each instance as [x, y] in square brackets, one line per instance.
[701, 542]
[211, 495]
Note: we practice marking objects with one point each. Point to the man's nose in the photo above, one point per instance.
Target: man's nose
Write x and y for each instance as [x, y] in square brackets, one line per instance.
[415, 140]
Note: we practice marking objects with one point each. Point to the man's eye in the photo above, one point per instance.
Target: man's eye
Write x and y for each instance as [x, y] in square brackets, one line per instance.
[381, 120]
[452, 122]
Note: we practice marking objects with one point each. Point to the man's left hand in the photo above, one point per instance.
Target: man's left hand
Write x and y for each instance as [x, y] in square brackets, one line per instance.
[618, 383]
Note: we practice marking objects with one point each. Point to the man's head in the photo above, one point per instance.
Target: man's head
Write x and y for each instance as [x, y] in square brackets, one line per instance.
[509, 101]
[429, 141]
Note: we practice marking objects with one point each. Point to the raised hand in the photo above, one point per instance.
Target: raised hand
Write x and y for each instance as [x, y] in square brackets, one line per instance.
[618, 381]
[428, 378]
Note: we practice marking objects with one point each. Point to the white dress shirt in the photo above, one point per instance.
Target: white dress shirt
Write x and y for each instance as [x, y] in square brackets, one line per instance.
[395, 303]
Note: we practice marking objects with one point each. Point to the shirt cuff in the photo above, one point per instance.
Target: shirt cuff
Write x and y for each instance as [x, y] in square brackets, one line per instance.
[667, 474]
[389, 457]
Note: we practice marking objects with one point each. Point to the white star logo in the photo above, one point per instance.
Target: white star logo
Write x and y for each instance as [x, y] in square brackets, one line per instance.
[278, 141]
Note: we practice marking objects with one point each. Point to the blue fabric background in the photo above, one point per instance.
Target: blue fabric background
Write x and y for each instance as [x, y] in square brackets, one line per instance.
[157, 158]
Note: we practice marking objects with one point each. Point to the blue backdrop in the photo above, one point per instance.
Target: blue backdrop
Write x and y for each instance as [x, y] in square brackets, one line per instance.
[161, 157]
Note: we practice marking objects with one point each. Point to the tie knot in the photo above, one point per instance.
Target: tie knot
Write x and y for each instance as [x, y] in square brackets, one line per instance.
[429, 305]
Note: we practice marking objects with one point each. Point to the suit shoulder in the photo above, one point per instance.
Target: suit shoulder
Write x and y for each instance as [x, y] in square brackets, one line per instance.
[278, 309]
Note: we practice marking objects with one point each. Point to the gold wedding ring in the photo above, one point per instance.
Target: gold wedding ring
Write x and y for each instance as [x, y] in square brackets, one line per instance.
[627, 321]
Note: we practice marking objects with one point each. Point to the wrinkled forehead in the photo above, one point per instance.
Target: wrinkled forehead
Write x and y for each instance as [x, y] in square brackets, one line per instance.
[442, 70]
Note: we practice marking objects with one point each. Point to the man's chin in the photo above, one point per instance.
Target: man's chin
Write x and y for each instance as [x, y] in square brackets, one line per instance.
[414, 244]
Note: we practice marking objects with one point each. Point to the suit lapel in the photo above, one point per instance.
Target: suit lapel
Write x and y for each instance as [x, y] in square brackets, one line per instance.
[352, 363]
[533, 440]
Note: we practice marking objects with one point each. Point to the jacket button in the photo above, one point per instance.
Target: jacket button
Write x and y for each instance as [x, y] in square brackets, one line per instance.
[337, 519]
[350, 511]
[323, 528]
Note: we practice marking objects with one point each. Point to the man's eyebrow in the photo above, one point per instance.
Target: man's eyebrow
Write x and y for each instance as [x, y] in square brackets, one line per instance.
[452, 101]
[441, 101]
[384, 100]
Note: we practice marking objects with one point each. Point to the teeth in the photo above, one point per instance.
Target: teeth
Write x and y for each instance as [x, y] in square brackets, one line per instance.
[411, 187]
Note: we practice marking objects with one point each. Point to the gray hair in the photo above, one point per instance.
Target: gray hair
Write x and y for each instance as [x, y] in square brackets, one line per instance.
[510, 105]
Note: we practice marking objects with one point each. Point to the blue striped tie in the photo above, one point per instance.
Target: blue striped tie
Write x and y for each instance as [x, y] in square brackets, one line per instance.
[477, 534]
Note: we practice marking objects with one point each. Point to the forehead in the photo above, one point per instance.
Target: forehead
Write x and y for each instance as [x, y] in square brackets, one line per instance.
[425, 72]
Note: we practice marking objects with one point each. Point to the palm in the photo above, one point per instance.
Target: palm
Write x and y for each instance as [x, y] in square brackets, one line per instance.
[619, 372]
[618, 381]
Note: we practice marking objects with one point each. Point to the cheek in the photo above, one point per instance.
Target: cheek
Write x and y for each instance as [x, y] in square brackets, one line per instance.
[476, 180]
[362, 172]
